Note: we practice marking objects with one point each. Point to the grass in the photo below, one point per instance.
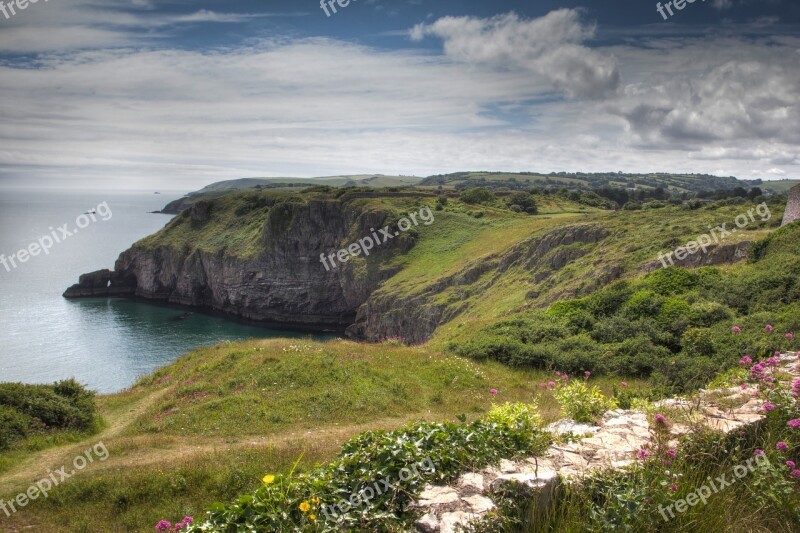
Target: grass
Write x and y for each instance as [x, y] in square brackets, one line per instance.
[240, 410]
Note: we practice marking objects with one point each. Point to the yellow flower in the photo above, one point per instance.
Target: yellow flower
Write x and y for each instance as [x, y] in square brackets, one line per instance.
[305, 507]
[312, 516]
[315, 500]
[269, 478]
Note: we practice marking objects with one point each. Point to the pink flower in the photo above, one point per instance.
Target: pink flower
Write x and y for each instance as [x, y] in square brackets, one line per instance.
[643, 454]
[493, 392]
[543, 385]
[794, 423]
[790, 464]
[768, 328]
[744, 387]
[736, 330]
[796, 389]
[759, 451]
[623, 384]
[558, 373]
[790, 335]
[673, 487]
[660, 419]
[564, 377]
[587, 374]
[772, 361]
[782, 446]
[777, 354]
[795, 473]
[768, 406]
[746, 360]
[552, 384]
[672, 453]
[163, 526]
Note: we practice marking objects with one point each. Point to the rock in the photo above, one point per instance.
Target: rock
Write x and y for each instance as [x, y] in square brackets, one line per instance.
[479, 504]
[471, 483]
[433, 496]
[451, 522]
[562, 427]
[792, 213]
[428, 524]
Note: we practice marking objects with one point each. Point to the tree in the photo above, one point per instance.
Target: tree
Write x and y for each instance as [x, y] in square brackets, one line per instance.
[525, 202]
[477, 195]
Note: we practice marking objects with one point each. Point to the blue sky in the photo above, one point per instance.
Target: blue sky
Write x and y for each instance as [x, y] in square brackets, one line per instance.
[174, 95]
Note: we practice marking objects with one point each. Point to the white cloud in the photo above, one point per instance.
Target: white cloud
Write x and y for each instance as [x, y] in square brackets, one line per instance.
[550, 47]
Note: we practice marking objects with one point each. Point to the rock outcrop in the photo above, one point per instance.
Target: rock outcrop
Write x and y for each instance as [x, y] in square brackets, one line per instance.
[612, 444]
[285, 284]
[792, 213]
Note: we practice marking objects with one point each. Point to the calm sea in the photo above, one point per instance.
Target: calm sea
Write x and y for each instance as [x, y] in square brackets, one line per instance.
[103, 343]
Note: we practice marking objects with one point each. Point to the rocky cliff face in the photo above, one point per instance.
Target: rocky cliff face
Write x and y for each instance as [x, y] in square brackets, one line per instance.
[286, 284]
[415, 318]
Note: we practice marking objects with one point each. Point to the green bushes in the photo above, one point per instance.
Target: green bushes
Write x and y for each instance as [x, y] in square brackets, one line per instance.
[582, 403]
[26, 409]
[407, 459]
[477, 195]
[675, 324]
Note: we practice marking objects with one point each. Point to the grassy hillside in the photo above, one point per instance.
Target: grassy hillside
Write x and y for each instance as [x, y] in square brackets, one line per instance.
[208, 427]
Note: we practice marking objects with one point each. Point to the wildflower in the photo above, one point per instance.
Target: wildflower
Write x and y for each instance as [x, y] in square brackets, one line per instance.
[796, 389]
[623, 384]
[672, 453]
[643, 454]
[587, 374]
[768, 406]
[790, 464]
[746, 360]
[673, 487]
[312, 516]
[758, 451]
[795, 473]
[305, 507]
[744, 387]
[772, 361]
[269, 478]
[493, 392]
[736, 330]
[558, 373]
[163, 526]
[768, 328]
[543, 385]
[564, 377]
[790, 335]
[552, 384]
[795, 423]
[660, 419]
[782, 446]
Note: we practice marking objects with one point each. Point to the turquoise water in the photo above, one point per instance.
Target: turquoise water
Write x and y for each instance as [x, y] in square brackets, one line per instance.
[103, 343]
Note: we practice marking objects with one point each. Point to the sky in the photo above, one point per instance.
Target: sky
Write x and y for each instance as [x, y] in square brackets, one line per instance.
[173, 95]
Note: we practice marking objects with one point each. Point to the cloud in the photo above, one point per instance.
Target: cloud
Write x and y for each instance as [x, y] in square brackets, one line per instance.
[551, 48]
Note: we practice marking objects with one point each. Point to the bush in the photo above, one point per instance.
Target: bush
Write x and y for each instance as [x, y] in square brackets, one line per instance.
[477, 195]
[582, 403]
[14, 426]
[524, 201]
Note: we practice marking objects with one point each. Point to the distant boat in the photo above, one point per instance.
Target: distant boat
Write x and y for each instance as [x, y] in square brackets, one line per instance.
[156, 192]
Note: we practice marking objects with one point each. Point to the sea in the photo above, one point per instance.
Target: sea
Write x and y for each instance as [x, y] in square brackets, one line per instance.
[104, 343]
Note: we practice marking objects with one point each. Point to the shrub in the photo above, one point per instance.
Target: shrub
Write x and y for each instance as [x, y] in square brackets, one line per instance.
[14, 426]
[477, 195]
[582, 403]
